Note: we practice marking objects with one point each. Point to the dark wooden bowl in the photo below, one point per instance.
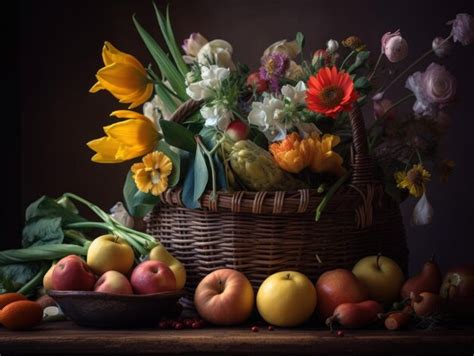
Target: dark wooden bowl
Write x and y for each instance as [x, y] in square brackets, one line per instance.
[104, 310]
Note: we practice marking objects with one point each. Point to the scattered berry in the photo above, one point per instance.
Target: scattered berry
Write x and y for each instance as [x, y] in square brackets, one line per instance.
[340, 333]
[254, 329]
[179, 326]
[270, 328]
[196, 325]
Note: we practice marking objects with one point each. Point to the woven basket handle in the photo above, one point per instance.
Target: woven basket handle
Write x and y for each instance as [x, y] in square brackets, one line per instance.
[362, 163]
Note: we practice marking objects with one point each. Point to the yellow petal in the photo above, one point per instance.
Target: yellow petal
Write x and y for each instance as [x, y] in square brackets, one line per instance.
[142, 98]
[96, 87]
[121, 78]
[110, 55]
[136, 167]
[160, 187]
[106, 149]
[128, 114]
[133, 132]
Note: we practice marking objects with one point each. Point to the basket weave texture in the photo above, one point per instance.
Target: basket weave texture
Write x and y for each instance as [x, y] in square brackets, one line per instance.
[260, 233]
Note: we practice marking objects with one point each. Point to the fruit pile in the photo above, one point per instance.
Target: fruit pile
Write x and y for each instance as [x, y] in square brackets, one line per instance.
[110, 269]
[374, 292]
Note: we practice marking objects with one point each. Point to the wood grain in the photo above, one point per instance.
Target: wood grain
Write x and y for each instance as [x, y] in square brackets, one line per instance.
[65, 337]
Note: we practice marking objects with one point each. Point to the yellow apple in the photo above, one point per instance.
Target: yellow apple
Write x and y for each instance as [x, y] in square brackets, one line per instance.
[382, 276]
[160, 253]
[286, 298]
[48, 278]
[110, 253]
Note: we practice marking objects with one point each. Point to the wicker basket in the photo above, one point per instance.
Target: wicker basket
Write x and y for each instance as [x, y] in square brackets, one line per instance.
[260, 233]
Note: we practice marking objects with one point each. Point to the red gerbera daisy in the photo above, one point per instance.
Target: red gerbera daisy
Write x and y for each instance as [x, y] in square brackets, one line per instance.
[330, 92]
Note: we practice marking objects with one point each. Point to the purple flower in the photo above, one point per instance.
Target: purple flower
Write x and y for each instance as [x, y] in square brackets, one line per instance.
[394, 46]
[274, 67]
[433, 89]
[441, 47]
[463, 29]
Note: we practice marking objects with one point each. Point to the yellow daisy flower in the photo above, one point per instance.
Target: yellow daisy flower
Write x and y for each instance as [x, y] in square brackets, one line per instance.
[151, 175]
[414, 180]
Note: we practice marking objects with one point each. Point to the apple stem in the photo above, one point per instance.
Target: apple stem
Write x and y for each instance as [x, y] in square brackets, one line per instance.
[220, 286]
[377, 261]
[288, 276]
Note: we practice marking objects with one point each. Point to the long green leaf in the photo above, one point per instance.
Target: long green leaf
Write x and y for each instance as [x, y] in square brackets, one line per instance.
[138, 203]
[39, 253]
[165, 97]
[167, 31]
[201, 175]
[167, 68]
[177, 135]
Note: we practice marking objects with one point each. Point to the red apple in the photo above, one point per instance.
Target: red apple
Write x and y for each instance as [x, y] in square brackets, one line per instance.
[152, 277]
[458, 290]
[254, 81]
[224, 297]
[72, 273]
[113, 282]
[336, 287]
[237, 130]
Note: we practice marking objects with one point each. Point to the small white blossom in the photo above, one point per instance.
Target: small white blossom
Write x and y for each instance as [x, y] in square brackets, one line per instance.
[217, 115]
[423, 212]
[212, 77]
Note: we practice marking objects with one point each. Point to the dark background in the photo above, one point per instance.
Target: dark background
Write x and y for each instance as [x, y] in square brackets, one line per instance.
[58, 46]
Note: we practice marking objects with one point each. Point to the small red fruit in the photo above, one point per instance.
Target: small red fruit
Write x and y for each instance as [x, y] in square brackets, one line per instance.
[237, 130]
[270, 328]
[340, 333]
[179, 326]
[196, 325]
[254, 81]
[254, 329]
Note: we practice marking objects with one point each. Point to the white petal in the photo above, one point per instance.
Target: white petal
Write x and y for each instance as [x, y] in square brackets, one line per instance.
[423, 212]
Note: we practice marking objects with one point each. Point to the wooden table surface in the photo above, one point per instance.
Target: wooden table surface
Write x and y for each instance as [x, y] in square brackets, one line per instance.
[66, 337]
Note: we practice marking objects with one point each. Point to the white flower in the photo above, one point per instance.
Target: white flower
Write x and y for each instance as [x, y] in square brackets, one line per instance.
[217, 115]
[332, 46]
[423, 212]
[192, 45]
[119, 213]
[295, 94]
[268, 116]
[218, 52]
[212, 77]
[290, 48]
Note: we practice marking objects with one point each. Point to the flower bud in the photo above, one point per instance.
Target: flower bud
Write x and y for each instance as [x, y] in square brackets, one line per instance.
[332, 46]
[321, 55]
[193, 44]
[441, 47]
[394, 46]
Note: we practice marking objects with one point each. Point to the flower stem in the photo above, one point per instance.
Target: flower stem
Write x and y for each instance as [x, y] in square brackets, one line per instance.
[88, 225]
[379, 60]
[402, 73]
[347, 58]
[330, 193]
[77, 237]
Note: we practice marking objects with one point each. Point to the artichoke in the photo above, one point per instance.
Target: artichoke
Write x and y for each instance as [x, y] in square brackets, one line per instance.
[257, 170]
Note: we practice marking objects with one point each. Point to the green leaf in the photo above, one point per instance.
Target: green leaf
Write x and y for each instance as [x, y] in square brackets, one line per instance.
[48, 207]
[167, 31]
[14, 276]
[40, 253]
[300, 39]
[42, 231]
[201, 175]
[177, 135]
[138, 203]
[360, 60]
[187, 195]
[165, 97]
[362, 83]
[167, 68]
[175, 158]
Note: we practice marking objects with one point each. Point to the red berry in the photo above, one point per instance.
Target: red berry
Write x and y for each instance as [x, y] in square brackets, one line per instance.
[189, 322]
[254, 81]
[340, 333]
[196, 325]
[270, 328]
[164, 324]
[254, 329]
[179, 326]
[237, 130]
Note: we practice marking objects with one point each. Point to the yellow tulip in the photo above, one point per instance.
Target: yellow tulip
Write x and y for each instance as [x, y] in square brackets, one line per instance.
[325, 160]
[292, 154]
[123, 76]
[126, 139]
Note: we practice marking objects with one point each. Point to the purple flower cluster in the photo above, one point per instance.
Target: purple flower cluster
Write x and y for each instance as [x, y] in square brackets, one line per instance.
[274, 67]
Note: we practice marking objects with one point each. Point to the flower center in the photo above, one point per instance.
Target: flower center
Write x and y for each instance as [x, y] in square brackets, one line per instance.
[270, 66]
[155, 177]
[415, 177]
[331, 96]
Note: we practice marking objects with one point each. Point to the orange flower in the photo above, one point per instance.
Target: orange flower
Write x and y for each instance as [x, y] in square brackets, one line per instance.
[325, 160]
[292, 154]
[330, 92]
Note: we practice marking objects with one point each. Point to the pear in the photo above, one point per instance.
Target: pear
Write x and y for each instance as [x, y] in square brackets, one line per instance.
[428, 280]
[159, 253]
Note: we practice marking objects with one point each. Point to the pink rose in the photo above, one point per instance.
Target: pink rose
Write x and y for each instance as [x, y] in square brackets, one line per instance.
[463, 29]
[394, 46]
[433, 89]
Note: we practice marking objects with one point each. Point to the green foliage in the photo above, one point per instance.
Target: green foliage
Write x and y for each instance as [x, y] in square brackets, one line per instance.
[175, 158]
[14, 276]
[187, 195]
[167, 68]
[300, 39]
[201, 174]
[48, 207]
[178, 136]
[138, 204]
[361, 59]
[42, 231]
